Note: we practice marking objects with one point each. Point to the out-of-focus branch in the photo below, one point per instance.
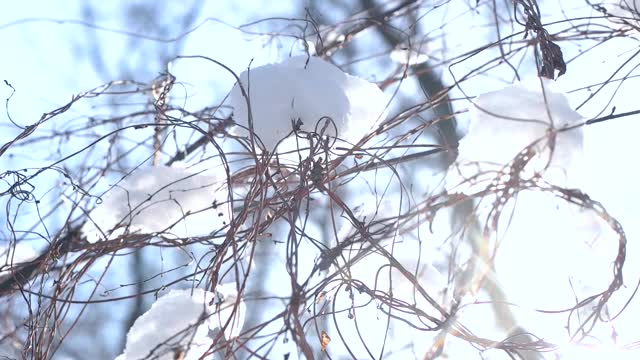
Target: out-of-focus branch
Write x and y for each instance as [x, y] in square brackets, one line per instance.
[463, 213]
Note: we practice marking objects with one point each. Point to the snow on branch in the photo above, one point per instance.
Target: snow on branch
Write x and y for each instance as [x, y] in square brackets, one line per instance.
[13, 255]
[306, 89]
[623, 12]
[516, 119]
[168, 200]
[178, 324]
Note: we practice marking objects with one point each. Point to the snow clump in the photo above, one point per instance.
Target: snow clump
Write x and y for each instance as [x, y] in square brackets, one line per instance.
[161, 199]
[306, 89]
[623, 11]
[505, 123]
[179, 322]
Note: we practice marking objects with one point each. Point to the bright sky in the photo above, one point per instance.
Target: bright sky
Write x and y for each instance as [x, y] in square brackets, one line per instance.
[46, 63]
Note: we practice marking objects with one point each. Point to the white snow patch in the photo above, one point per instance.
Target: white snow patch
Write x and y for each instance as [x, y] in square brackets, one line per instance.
[409, 56]
[333, 36]
[174, 201]
[623, 10]
[227, 313]
[506, 122]
[13, 255]
[544, 244]
[179, 322]
[309, 89]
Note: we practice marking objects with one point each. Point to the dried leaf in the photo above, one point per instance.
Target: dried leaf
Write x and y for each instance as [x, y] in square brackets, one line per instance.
[324, 340]
[321, 297]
